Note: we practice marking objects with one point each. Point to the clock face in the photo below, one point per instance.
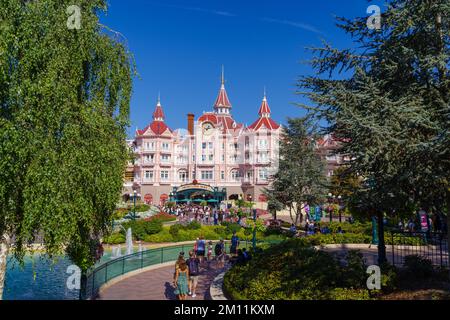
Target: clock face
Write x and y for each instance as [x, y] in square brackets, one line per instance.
[207, 128]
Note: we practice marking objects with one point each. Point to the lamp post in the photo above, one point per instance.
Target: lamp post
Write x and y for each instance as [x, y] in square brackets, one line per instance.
[330, 197]
[254, 220]
[134, 204]
[340, 208]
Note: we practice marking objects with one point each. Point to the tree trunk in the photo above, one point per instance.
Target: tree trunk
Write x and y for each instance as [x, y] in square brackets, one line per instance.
[448, 229]
[381, 244]
[5, 242]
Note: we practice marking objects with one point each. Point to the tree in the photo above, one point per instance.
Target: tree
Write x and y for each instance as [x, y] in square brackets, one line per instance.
[390, 106]
[300, 179]
[64, 110]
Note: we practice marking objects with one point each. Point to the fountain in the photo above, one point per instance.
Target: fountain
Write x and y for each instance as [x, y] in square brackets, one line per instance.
[129, 242]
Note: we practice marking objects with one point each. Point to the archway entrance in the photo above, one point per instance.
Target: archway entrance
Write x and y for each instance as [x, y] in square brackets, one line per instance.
[196, 193]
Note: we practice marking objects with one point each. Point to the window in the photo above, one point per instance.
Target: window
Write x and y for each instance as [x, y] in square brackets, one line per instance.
[263, 157]
[223, 158]
[262, 144]
[165, 158]
[223, 146]
[210, 157]
[182, 175]
[207, 175]
[222, 175]
[204, 145]
[148, 158]
[235, 175]
[263, 174]
[164, 175]
[203, 157]
[165, 146]
[210, 145]
[148, 175]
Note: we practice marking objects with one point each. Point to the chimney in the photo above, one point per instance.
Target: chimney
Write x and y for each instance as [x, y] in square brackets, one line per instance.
[190, 127]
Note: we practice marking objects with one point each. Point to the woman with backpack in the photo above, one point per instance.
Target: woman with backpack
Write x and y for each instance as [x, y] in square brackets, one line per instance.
[194, 271]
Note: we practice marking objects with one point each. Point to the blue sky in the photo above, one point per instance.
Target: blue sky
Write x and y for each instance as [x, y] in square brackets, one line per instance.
[180, 45]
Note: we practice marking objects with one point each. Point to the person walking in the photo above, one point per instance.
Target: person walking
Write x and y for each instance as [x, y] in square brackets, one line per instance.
[234, 244]
[219, 250]
[182, 280]
[201, 246]
[194, 271]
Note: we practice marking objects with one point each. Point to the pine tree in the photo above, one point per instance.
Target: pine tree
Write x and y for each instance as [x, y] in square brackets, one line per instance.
[300, 179]
[390, 105]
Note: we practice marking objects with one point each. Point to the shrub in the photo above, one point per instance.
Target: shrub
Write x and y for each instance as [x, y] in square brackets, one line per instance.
[354, 272]
[115, 238]
[293, 270]
[162, 216]
[194, 225]
[141, 228]
[142, 208]
[174, 230]
[350, 294]
[418, 267]
[163, 236]
[389, 277]
[232, 227]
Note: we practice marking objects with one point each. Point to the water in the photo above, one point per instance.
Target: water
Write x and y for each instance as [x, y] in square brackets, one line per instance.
[40, 279]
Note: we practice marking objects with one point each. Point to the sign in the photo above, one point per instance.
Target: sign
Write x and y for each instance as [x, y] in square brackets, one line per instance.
[374, 231]
[204, 187]
[423, 220]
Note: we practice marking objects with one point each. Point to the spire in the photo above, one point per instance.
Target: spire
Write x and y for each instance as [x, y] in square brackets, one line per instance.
[158, 114]
[222, 104]
[264, 110]
[223, 76]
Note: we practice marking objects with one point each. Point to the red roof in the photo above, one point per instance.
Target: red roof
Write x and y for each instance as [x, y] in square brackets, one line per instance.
[158, 126]
[264, 107]
[208, 117]
[222, 98]
[158, 113]
[226, 121]
[264, 121]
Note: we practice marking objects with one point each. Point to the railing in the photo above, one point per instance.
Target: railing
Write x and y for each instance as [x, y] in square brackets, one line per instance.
[429, 245]
[104, 273]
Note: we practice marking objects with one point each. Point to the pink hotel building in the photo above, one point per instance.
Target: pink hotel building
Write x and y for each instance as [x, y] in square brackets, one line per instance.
[215, 150]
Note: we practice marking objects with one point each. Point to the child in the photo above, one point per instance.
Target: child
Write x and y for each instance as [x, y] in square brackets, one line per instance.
[210, 248]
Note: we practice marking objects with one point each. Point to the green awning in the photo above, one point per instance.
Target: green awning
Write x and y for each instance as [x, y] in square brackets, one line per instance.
[212, 200]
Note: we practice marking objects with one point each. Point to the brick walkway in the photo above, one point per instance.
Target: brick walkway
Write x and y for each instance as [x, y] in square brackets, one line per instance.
[158, 285]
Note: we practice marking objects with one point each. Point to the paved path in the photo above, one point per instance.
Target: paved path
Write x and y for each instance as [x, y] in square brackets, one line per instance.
[158, 285]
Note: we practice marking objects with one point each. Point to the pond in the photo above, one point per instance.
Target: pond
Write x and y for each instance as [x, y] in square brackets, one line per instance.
[41, 279]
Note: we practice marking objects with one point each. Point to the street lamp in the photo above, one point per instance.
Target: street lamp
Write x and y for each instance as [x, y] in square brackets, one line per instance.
[330, 197]
[340, 208]
[134, 206]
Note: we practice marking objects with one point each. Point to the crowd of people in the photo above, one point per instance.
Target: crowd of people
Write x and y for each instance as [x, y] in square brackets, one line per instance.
[201, 257]
[205, 215]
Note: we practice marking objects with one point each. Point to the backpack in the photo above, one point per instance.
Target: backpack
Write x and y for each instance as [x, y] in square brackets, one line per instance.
[218, 249]
[193, 267]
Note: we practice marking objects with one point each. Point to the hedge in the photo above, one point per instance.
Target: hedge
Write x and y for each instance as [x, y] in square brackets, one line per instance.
[292, 270]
